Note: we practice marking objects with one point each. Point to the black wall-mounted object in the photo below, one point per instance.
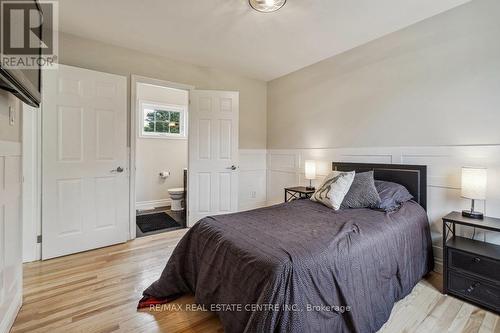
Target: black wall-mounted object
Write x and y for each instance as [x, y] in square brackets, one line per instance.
[413, 177]
[15, 82]
[25, 84]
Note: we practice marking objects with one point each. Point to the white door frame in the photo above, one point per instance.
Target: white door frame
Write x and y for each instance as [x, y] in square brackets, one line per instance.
[32, 182]
[134, 116]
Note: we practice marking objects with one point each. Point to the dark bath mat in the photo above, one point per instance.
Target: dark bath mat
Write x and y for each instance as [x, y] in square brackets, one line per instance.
[157, 221]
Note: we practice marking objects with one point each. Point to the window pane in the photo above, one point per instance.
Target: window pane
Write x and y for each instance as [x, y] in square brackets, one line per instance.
[149, 121]
[162, 116]
[161, 127]
[175, 116]
[149, 127]
[161, 121]
[175, 129]
[149, 116]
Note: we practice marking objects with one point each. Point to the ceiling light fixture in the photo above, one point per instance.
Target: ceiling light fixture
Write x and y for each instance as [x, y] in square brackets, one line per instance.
[266, 6]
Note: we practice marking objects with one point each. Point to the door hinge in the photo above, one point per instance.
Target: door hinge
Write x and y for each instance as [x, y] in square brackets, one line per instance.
[39, 239]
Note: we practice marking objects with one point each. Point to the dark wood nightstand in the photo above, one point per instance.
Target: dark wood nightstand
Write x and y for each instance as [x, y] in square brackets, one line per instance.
[471, 268]
[299, 192]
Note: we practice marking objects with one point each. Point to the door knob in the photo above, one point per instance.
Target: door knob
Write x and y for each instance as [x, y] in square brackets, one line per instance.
[117, 170]
[232, 167]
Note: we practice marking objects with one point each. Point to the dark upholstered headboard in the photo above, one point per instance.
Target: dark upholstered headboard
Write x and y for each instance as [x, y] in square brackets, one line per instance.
[413, 177]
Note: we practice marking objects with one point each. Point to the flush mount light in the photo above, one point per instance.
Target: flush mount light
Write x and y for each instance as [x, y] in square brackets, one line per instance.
[266, 6]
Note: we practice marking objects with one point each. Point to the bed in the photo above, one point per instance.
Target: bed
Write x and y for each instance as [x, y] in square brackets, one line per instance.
[302, 267]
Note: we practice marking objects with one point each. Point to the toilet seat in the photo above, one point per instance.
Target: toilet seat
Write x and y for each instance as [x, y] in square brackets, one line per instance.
[178, 190]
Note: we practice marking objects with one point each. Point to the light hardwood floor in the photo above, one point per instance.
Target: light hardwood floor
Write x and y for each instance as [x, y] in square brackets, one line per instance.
[97, 291]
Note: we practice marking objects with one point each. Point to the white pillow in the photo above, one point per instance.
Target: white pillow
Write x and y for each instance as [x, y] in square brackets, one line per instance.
[333, 189]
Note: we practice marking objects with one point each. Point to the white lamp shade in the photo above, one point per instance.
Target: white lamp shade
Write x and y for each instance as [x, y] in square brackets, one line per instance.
[474, 183]
[310, 171]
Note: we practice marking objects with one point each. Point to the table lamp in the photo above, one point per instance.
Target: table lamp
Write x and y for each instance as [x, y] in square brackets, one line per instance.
[310, 171]
[474, 188]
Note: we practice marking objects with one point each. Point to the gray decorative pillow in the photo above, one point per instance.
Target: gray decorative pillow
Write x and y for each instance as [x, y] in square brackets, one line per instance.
[363, 193]
[392, 195]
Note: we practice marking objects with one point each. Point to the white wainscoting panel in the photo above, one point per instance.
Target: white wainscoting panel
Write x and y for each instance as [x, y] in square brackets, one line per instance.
[252, 178]
[150, 205]
[10, 233]
[286, 168]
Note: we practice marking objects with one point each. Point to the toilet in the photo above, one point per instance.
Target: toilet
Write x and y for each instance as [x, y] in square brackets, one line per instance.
[176, 196]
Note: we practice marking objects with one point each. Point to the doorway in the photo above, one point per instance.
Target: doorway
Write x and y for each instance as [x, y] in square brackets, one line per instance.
[161, 156]
[210, 185]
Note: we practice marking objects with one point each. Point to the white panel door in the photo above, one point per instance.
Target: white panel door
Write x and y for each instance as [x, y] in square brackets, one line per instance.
[213, 153]
[85, 164]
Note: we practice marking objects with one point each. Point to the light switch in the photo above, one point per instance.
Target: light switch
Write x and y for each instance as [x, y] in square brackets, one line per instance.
[12, 116]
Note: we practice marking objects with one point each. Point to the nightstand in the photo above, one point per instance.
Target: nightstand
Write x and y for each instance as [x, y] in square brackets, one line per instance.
[299, 192]
[471, 268]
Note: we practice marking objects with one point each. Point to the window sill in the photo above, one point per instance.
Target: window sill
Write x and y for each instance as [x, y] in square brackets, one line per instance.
[163, 137]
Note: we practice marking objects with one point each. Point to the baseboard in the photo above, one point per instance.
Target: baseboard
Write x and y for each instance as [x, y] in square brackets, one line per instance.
[147, 205]
[437, 249]
[10, 315]
[438, 265]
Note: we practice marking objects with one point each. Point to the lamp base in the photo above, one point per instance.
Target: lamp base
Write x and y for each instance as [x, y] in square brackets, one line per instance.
[309, 188]
[472, 214]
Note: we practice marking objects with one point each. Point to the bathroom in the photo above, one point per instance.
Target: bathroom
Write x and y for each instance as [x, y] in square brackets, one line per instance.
[161, 157]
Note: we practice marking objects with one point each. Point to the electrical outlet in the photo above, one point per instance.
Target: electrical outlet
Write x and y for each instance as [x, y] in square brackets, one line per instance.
[12, 116]
[253, 194]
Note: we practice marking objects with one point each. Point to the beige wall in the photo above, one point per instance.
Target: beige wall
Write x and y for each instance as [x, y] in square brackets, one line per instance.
[89, 54]
[7, 131]
[434, 83]
[159, 154]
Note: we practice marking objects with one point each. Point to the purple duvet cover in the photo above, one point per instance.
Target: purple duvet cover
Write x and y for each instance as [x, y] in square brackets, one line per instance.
[301, 267]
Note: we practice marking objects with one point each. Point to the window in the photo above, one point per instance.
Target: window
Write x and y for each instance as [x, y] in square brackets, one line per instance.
[168, 121]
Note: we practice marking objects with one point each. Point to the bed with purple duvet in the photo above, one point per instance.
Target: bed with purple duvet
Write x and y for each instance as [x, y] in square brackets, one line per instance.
[303, 267]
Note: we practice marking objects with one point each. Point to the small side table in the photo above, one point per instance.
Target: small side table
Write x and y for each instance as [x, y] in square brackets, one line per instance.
[471, 268]
[298, 192]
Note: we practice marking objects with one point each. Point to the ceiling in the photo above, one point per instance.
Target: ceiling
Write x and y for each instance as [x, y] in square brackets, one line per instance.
[228, 34]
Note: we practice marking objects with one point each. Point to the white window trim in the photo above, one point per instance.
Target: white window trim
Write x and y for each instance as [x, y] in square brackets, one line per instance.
[168, 107]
